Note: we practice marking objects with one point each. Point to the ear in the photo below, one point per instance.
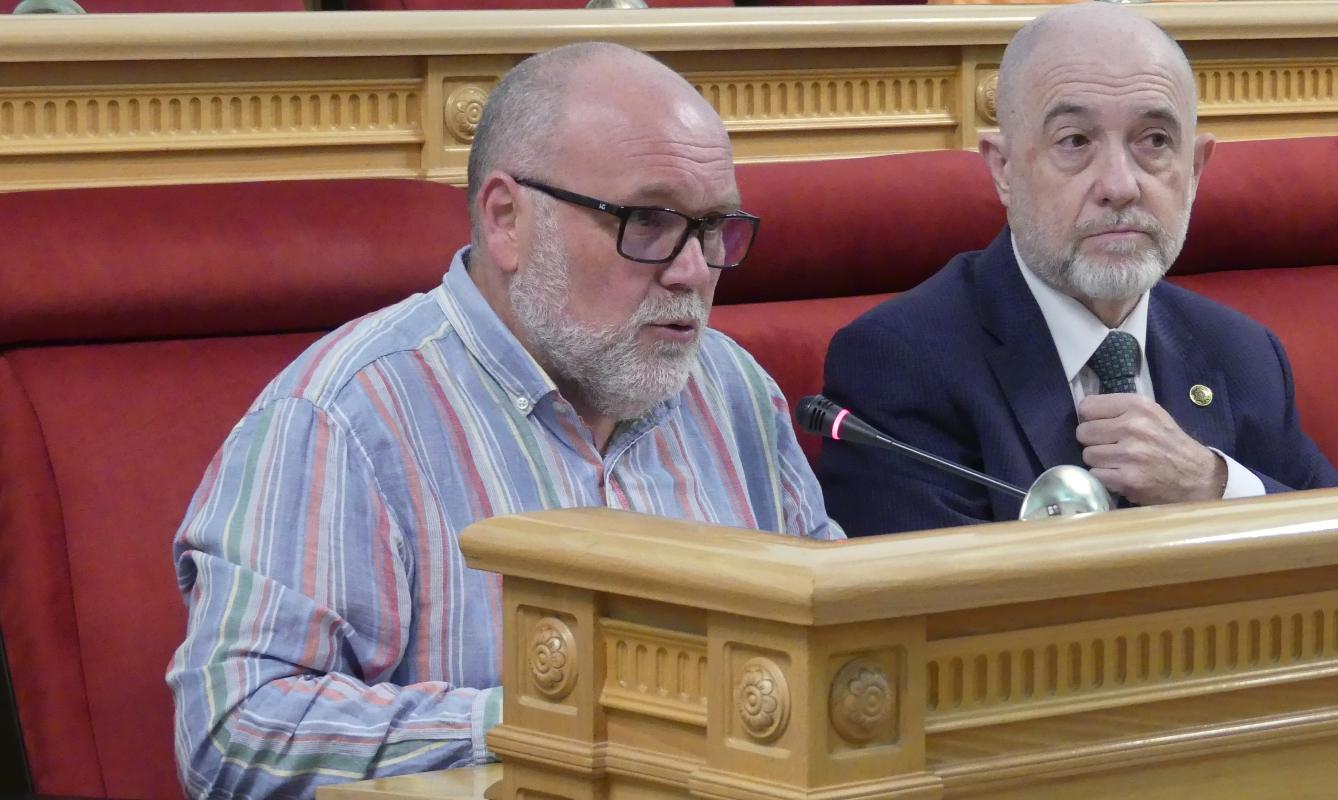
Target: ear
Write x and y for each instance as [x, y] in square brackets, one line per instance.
[1203, 150]
[994, 148]
[499, 201]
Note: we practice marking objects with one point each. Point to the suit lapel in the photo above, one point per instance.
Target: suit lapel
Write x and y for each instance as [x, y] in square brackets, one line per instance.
[1175, 365]
[1026, 363]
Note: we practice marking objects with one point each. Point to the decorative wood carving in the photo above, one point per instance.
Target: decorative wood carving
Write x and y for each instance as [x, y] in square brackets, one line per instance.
[763, 699]
[863, 701]
[553, 658]
[987, 90]
[655, 672]
[464, 109]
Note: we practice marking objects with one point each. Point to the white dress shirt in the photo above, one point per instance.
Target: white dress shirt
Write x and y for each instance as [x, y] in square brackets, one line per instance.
[1077, 334]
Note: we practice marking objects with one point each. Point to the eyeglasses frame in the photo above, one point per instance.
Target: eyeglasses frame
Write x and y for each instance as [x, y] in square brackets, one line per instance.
[623, 213]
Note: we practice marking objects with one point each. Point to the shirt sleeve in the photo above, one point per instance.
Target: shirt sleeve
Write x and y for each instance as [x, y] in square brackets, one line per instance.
[297, 582]
[1240, 481]
[805, 511]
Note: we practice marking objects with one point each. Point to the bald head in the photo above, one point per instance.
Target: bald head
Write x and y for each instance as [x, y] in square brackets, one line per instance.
[1101, 32]
[560, 101]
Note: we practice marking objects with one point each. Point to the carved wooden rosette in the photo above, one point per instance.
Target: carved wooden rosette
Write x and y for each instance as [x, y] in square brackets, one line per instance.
[762, 699]
[464, 109]
[987, 92]
[862, 704]
[552, 658]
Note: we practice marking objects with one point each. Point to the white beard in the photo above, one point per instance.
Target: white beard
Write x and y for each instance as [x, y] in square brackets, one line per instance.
[607, 364]
[1122, 275]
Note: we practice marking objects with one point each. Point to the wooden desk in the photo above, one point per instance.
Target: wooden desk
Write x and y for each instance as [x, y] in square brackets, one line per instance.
[449, 784]
[1183, 651]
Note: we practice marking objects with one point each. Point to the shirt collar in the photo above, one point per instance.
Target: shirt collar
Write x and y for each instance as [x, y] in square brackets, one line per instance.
[1075, 330]
[491, 343]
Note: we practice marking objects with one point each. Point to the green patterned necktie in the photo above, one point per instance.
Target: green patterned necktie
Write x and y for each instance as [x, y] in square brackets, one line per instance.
[1116, 361]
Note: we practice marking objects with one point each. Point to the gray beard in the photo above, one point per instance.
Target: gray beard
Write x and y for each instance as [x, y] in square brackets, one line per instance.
[607, 364]
[1123, 275]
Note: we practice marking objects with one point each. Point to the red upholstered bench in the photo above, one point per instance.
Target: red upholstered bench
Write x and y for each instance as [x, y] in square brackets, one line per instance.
[137, 324]
[174, 6]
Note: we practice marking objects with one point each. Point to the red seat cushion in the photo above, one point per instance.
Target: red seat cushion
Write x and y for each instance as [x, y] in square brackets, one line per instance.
[481, 5]
[130, 429]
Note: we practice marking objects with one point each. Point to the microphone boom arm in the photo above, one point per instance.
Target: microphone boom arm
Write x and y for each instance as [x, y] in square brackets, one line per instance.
[817, 414]
[957, 469]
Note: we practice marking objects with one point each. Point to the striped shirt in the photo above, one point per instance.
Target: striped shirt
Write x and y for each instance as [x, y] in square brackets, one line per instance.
[335, 632]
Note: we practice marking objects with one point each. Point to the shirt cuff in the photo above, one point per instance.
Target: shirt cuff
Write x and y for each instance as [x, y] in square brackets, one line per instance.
[1240, 481]
[484, 716]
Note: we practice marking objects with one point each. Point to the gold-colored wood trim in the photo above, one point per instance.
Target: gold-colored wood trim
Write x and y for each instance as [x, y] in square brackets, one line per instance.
[178, 98]
[1061, 669]
[655, 672]
[909, 574]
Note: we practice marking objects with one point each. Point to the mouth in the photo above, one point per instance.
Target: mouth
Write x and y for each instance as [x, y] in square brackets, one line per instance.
[676, 329]
[1118, 233]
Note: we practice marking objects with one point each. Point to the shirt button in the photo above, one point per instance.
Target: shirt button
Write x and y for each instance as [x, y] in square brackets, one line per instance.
[522, 404]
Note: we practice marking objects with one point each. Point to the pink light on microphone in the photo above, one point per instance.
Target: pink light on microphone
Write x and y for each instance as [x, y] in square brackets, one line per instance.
[836, 423]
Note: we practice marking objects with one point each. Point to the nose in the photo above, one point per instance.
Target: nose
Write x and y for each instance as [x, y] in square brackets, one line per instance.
[688, 270]
[1117, 180]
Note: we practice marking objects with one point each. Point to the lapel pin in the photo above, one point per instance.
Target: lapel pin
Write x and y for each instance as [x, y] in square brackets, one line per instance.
[1201, 395]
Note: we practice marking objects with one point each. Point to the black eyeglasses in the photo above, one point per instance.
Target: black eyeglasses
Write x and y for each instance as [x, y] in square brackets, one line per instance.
[655, 235]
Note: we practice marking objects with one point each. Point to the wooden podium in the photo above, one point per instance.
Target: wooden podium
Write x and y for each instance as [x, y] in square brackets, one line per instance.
[1186, 651]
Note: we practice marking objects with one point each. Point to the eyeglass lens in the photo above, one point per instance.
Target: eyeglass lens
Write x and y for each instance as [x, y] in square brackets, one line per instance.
[652, 234]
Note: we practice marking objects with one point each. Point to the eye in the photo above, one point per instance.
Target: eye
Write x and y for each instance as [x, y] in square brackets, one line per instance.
[1157, 139]
[1074, 141]
[647, 219]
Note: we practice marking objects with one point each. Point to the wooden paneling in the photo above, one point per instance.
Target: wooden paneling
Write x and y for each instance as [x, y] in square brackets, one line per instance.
[163, 98]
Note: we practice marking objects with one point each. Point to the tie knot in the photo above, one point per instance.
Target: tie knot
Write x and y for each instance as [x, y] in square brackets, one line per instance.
[1116, 362]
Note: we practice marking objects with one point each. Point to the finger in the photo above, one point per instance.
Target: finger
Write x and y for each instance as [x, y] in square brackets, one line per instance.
[1101, 431]
[1104, 456]
[1111, 479]
[1109, 406]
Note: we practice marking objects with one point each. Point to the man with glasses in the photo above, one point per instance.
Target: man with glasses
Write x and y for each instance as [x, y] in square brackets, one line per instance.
[564, 361]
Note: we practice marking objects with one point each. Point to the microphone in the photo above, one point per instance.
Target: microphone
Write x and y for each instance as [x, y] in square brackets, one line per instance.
[1060, 491]
[817, 414]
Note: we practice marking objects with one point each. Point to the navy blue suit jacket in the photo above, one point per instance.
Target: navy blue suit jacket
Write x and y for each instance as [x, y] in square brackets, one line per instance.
[963, 366]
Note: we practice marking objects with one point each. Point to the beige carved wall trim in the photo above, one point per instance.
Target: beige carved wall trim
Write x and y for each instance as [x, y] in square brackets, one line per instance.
[1267, 87]
[654, 672]
[163, 98]
[977, 680]
[186, 117]
[791, 99]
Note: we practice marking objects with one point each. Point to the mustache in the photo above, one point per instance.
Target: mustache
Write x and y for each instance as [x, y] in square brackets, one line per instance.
[1127, 219]
[675, 308]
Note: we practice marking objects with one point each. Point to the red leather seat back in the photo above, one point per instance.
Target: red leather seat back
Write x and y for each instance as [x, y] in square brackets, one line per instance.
[499, 5]
[140, 324]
